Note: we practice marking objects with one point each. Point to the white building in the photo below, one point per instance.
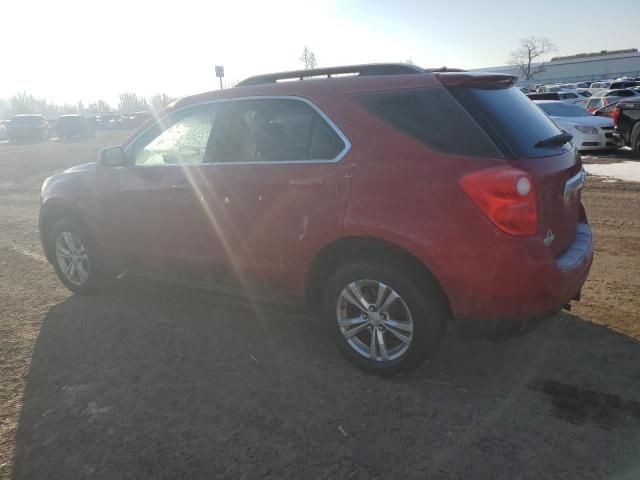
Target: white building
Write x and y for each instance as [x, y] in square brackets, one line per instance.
[582, 67]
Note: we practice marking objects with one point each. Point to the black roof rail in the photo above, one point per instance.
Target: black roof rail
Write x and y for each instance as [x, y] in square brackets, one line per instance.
[360, 70]
[444, 70]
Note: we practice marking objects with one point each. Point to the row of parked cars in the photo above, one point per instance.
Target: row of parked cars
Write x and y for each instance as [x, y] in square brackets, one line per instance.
[36, 127]
[589, 110]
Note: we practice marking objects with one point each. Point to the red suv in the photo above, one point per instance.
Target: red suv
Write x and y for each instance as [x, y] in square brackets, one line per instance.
[391, 198]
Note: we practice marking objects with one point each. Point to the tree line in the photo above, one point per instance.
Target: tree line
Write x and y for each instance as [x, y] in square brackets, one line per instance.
[128, 102]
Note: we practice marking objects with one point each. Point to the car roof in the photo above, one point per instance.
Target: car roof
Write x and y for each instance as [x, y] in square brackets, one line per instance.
[291, 85]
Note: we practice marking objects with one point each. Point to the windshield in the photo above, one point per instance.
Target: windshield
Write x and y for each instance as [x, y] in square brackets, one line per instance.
[562, 110]
[511, 119]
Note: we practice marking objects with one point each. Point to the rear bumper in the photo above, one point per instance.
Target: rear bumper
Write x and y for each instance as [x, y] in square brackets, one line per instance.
[515, 284]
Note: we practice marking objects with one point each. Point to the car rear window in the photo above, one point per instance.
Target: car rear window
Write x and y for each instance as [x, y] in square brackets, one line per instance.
[433, 117]
[514, 122]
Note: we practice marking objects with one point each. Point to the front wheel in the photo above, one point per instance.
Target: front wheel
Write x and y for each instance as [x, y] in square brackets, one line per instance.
[76, 257]
[381, 319]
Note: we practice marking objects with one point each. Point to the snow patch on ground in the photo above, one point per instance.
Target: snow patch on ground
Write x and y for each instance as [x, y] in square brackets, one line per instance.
[627, 171]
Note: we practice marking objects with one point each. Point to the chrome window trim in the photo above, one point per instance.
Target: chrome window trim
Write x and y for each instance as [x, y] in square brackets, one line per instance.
[323, 115]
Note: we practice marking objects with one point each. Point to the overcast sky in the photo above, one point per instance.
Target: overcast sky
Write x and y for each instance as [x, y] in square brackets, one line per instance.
[66, 50]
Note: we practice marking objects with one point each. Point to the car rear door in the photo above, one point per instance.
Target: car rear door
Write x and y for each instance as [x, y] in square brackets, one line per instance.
[287, 185]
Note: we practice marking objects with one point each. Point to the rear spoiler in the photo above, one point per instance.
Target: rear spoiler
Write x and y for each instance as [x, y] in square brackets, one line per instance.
[477, 79]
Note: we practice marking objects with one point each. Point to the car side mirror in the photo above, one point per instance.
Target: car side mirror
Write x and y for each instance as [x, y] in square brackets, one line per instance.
[111, 157]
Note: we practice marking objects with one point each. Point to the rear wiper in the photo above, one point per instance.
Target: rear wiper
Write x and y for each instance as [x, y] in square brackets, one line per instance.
[559, 139]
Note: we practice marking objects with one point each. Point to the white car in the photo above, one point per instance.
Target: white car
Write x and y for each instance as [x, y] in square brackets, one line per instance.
[589, 132]
[599, 86]
[3, 132]
[621, 92]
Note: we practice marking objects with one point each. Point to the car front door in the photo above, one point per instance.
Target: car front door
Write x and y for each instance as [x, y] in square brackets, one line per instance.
[156, 210]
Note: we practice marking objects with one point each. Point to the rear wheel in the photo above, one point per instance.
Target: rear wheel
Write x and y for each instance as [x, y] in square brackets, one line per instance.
[76, 257]
[382, 320]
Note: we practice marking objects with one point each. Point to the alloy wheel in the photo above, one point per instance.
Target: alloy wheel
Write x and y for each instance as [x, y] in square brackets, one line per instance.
[72, 258]
[374, 320]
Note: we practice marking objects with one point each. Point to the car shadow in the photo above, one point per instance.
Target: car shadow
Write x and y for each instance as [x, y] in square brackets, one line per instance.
[150, 380]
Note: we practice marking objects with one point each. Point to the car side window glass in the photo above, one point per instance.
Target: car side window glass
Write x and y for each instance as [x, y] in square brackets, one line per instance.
[280, 130]
[433, 117]
[184, 142]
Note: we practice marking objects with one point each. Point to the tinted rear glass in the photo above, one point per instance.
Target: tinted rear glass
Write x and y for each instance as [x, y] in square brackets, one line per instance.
[512, 119]
[433, 117]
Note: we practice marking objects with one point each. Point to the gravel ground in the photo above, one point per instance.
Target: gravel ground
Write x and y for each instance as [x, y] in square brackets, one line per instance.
[150, 380]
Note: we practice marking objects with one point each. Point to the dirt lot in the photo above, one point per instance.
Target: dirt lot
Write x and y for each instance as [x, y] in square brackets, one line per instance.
[157, 381]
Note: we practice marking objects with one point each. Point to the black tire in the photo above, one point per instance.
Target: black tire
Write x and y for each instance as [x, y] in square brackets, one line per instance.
[426, 306]
[95, 265]
[635, 140]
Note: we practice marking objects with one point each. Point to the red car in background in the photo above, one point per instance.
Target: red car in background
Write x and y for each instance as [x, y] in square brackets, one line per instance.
[596, 103]
[392, 199]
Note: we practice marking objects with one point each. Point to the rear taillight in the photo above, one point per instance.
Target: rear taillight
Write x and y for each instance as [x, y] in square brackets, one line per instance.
[616, 116]
[506, 196]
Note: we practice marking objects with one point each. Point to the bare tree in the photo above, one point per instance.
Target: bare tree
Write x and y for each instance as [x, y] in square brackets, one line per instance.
[525, 58]
[159, 101]
[131, 102]
[308, 58]
[22, 102]
[99, 107]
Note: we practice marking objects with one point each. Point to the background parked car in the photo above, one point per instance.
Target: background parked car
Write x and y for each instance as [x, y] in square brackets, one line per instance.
[582, 103]
[135, 119]
[596, 103]
[589, 132]
[625, 84]
[626, 118]
[607, 111]
[74, 126]
[596, 87]
[3, 131]
[567, 97]
[108, 121]
[624, 92]
[28, 127]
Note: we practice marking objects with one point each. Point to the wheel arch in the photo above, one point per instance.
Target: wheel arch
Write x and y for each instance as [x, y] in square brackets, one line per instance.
[49, 215]
[333, 254]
